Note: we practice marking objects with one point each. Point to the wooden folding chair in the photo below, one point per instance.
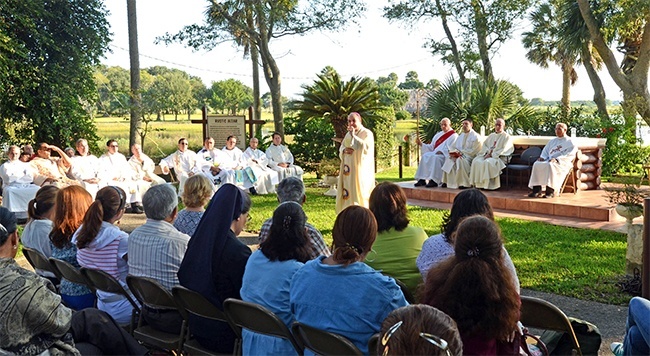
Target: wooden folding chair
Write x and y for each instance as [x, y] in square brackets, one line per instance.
[572, 177]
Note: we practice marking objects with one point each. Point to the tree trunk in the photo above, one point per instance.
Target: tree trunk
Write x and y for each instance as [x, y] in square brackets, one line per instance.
[481, 36]
[596, 83]
[272, 76]
[452, 43]
[633, 85]
[566, 87]
[135, 98]
[255, 59]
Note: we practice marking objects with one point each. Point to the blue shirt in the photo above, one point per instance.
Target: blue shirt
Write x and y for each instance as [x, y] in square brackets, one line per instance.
[351, 301]
[267, 283]
[69, 254]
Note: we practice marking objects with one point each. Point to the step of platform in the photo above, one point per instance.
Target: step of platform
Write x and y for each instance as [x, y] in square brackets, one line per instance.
[590, 204]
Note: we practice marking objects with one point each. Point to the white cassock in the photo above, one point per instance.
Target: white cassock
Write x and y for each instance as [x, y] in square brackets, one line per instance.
[144, 167]
[183, 164]
[281, 154]
[552, 174]
[244, 175]
[485, 172]
[266, 177]
[433, 157]
[357, 173]
[87, 167]
[468, 145]
[115, 171]
[17, 186]
[208, 158]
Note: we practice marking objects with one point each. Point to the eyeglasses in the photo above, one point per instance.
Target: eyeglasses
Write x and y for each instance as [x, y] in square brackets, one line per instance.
[185, 143]
[433, 339]
[248, 217]
[115, 146]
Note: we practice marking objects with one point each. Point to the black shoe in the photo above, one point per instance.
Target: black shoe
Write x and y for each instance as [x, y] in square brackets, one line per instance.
[137, 208]
[432, 184]
[444, 185]
[549, 195]
[420, 183]
[536, 192]
[252, 190]
[462, 187]
[21, 221]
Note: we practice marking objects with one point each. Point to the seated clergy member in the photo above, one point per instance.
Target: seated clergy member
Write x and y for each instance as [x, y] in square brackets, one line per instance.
[115, 171]
[461, 153]
[244, 175]
[553, 164]
[293, 189]
[51, 170]
[281, 159]
[434, 155]
[211, 162]
[17, 183]
[143, 168]
[267, 178]
[183, 161]
[85, 168]
[156, 250]
[486, 167]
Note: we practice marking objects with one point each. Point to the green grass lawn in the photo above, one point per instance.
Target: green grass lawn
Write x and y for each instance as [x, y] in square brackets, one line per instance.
[579, 263]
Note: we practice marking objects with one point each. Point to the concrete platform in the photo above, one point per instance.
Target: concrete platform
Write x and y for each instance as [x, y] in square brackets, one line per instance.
[585, 209]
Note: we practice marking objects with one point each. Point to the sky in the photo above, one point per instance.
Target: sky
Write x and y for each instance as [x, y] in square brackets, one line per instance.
[372, 48]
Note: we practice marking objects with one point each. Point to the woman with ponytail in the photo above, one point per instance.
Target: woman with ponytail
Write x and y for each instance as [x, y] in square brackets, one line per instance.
[36, 234]
[102, 245]
[340, 293]
[475, 288]
[269, 272]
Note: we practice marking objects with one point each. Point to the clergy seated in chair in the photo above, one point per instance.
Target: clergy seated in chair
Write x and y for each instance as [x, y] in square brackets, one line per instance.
[211, 162]
[434, 155]
[183, 161]
[17, 183]
[491, 160]
[281, 159]
[245, 177]
[553, 165]
[267, 178]
[461, 153]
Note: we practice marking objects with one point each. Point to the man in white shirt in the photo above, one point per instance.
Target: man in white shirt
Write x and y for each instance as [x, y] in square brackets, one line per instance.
[461, 153]
[434, 154]
[267, 178]
[115, 171]
[17, 183]
[51, 170]
[213, 164]
[143, 169]
[281, 159]
[183, 161]
[244, 175]
[553, 164]
[487, 165]
[85, 168]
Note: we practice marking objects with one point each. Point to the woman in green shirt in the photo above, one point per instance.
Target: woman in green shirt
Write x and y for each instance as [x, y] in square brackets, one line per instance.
[397, 244]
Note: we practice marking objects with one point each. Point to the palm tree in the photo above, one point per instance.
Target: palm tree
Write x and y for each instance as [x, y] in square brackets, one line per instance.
[331, 98]
[481, 101]
[574, 34]
[544, 45]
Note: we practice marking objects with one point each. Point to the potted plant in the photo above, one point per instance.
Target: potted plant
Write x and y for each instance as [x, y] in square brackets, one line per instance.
[628, 200]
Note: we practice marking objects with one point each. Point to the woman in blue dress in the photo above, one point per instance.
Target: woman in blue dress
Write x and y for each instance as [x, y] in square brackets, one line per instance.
[269, 272]
[340, 293]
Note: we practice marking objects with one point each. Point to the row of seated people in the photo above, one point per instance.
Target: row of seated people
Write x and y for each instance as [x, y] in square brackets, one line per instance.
[253, 169]
[466, 160]
[289, 272]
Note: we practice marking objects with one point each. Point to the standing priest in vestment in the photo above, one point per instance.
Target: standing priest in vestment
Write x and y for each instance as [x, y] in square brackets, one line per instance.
[357, 174]
[434, 155]
[553, 164]
[461, 153]
[486, 167]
